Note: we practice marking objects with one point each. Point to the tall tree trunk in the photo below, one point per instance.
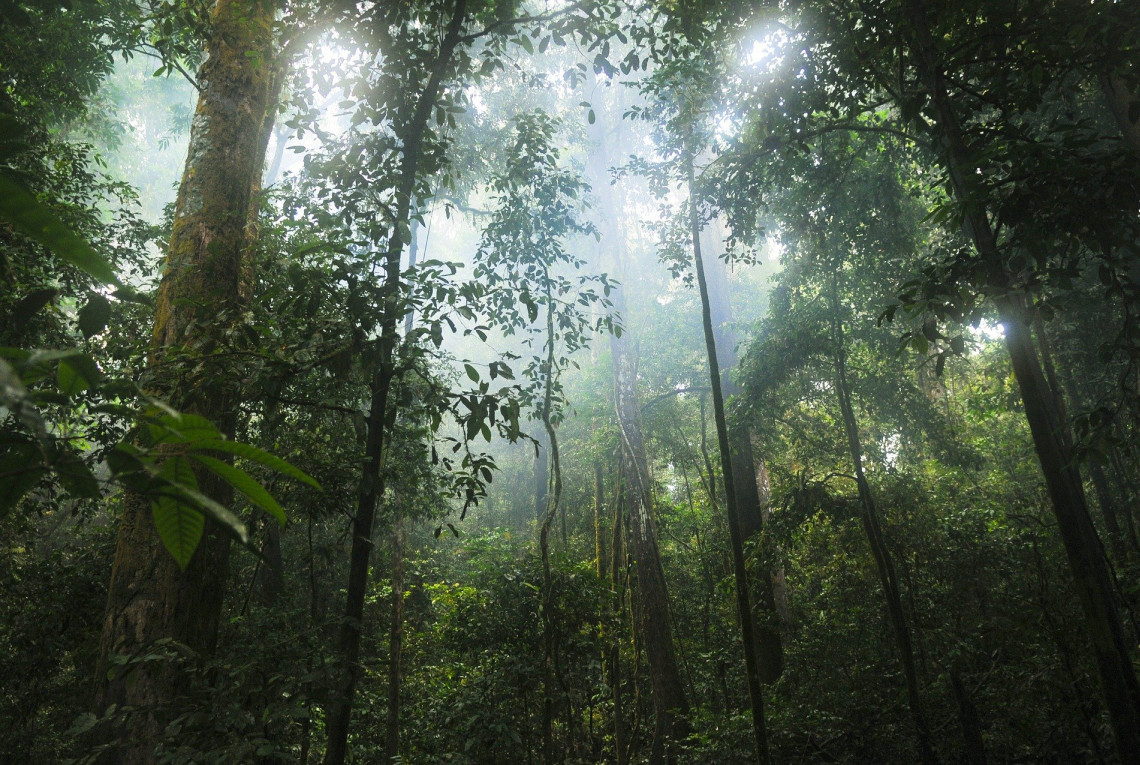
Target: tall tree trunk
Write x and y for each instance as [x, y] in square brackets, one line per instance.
[745, 467]
[371, 484]
[599, 547]
[149, 597]
[1082, 546]
[1063, 388]
[541, 474]
[548, 637]
[650, 595]
[968, 720]
[617, 584]
[651, 611]
[395, 643]
[872, 527]
[743, 598]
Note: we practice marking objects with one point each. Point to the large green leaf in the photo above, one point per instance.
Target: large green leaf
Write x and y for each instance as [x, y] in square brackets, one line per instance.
[180, 428]
[254, 454]
[31, 217]
[179, 524]
[245, 483]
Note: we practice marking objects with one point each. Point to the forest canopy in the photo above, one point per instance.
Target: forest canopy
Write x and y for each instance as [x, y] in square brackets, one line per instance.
[482, 381]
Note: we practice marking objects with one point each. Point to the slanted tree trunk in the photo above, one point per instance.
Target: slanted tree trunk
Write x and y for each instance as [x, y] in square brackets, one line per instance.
[743, 597]
[745, 467]
[884, 562]
[1082, 546]
[149, 596]
[371, 484]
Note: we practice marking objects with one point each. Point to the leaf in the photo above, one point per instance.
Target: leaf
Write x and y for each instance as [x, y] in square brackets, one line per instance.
[591, 117]
[254, 454]
[68, 380]
[179, 525]
[183, 428]
[21, 468]
[35, 219]
[472, 372]
[31, 303]
[74, 475]
[245, 483]
[94, 316]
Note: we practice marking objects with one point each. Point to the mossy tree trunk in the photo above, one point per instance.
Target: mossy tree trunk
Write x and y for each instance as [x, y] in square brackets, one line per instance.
[201, 293]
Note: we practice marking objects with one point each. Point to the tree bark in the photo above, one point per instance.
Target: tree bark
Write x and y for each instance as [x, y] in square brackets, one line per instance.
[202, 287]
[1070, 508]
[395, 644]
[968, 719]
[651, 612]
[745, 467]
[743, 598]
[371, 483]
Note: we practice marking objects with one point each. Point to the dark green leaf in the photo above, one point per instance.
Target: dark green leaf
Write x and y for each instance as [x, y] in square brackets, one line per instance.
[94, 316]
[34, 219]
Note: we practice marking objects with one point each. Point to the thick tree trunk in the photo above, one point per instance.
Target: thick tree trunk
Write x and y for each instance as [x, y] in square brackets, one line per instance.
[149, 597]
[1082, 546]
[743, 597]
[371, 484]
[884, 562]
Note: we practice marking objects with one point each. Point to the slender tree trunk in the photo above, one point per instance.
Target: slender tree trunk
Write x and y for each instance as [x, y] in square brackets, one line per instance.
[395, 643]
[1061, 390]
[149, 597]
[651, 611]
[599, 547]
[541, 475]
[743, 599]
[872, 527]
[618, 582]
[371, 484]
[548, 637]
[968, 719]
[650, 595]
[745, 467]
[1082, 546]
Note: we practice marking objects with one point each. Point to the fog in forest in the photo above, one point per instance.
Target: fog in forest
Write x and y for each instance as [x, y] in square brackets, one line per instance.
[485, 381]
